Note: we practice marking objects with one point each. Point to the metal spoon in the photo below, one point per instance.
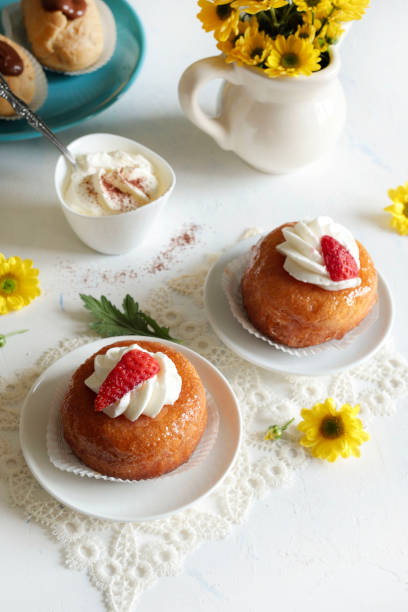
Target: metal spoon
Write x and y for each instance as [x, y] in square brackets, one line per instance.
[22, 110]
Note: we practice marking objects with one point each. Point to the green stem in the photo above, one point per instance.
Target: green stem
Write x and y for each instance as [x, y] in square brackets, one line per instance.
[325, 20]
[274, 19]
[288, 10]
[14, 333]
[4, 336]
[265, 21]
[287, 424]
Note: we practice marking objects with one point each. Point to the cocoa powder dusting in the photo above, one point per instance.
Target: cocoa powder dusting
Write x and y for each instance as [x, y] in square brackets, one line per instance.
[93, 278]
[111, 189]
[124, 201]
[177, 244]
[90, 189]
[138, 183]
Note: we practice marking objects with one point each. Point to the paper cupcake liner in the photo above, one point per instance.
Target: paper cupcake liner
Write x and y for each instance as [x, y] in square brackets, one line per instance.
[62, 457]
[13, 25]
[40, 87]
[231, 285]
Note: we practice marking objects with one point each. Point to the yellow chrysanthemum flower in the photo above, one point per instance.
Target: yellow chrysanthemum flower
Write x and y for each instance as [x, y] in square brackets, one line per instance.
[323, 6]
[347, 10]
[326, 30]
[330, 433]
[333, 32]
[252, 48]
[227, 46]
[18, 283]
[255, 6]
[306, 31]
[399, 210]
[218, 16]
[321, 44]
[292, 56]
[317, 18]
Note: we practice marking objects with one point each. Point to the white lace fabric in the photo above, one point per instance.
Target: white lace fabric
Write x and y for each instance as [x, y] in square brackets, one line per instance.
[124, 559]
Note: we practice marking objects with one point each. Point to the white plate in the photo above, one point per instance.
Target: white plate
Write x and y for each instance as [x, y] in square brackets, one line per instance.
[262, 354]
[118, 501]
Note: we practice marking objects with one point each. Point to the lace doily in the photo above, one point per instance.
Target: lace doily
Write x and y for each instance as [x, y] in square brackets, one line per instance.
[122, 559]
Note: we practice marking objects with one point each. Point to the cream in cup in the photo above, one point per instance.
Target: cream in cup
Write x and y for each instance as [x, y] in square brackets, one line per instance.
[113, 196]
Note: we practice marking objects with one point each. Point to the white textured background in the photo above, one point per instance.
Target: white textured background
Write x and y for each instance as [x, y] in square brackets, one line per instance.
[337, 539]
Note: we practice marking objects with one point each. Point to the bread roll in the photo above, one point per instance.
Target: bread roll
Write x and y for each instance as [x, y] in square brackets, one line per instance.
[18, 71]
[69, 39]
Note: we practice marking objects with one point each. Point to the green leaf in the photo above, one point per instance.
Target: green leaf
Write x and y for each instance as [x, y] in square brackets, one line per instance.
[130, 307]
[108, 320]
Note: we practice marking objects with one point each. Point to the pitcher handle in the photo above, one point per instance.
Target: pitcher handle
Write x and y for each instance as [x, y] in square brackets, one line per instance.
[193, 78]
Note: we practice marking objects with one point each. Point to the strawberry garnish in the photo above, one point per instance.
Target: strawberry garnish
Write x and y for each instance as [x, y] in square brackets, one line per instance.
[134, 368]
[340, 264]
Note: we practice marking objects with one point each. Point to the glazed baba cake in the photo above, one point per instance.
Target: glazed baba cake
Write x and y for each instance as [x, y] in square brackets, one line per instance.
[308, 282]
[134, 410]
[65, 35]
[18, 71]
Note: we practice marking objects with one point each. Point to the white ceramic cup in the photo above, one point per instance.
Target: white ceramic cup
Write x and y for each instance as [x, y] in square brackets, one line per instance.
[114, 234]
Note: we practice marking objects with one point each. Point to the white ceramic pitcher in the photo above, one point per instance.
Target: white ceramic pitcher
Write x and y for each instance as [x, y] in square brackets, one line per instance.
[274, 124]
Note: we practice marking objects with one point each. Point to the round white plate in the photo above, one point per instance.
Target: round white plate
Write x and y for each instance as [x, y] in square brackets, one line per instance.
[137, 501]
[260, 353]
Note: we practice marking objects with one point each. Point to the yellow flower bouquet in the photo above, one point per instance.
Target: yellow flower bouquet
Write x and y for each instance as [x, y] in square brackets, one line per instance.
[281, 37]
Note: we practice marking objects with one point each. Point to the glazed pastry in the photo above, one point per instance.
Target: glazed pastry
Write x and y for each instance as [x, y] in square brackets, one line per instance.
[65, 35]
[151, 429]
[308, 283]
[18, 71]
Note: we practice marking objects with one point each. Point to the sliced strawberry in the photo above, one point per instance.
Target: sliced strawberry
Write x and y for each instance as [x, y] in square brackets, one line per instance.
[340, 264]
[134, 368]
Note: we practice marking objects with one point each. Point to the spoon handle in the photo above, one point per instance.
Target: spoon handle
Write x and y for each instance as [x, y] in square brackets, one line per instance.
[23, 111]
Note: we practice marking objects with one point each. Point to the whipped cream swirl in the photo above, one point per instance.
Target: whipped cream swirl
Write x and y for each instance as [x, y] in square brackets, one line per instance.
[304, 260]
[147, 398]
[111, 183]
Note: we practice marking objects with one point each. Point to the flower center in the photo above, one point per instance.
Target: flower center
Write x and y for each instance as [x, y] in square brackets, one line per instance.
[289, 60]
[257, 52]
[332, 427]
[312, 3]
[223, 11]
[8, 285]
[406, 209]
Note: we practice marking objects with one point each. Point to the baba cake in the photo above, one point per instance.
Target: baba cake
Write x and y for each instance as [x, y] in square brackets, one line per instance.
[105, 412]
[308, 282]
[17, 69]
[65, 35]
